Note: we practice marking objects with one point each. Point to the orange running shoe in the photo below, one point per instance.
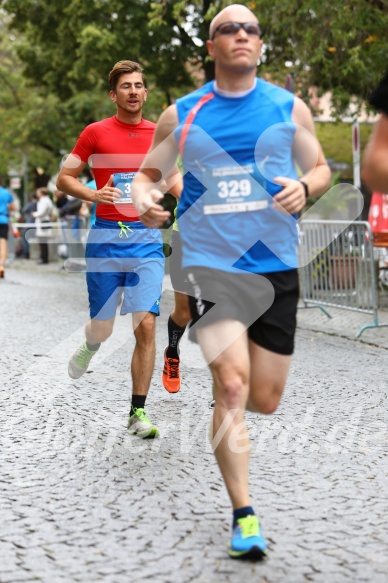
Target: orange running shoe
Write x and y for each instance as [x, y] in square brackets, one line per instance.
[171, 377]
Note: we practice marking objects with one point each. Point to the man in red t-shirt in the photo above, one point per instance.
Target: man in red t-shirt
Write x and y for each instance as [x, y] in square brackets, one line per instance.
[124, 259]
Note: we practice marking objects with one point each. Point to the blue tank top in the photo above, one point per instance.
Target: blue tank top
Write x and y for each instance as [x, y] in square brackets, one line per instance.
[5, 199]
[231, 149]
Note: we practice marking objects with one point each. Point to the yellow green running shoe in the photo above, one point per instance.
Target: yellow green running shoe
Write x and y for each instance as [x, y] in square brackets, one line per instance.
[79, 362]
[139, 424]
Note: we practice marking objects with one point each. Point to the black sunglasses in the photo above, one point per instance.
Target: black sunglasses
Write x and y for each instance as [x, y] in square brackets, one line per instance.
[230, 28]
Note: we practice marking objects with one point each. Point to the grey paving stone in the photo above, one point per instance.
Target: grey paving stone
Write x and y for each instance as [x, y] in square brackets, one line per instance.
[82, 501]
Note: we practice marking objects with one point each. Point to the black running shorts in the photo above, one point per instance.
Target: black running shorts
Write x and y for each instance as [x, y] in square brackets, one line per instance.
[177, 274]
[266, 303]
[4, 231]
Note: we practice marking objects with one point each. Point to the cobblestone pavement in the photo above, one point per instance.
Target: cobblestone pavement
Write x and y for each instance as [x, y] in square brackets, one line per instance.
[82, 501]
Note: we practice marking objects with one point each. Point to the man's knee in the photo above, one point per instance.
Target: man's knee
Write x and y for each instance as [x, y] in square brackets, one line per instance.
[231, 391]
[266, 400]
[99, 330]
[145, 329]
[269, 407]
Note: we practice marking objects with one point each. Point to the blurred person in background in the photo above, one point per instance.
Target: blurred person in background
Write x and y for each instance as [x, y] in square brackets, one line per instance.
[375, 163]
[27, 215]
[42, 215]
[92, 205]
[7, 205]
[60, 199]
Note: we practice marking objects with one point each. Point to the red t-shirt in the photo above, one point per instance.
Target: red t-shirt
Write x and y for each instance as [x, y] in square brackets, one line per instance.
[110, 146]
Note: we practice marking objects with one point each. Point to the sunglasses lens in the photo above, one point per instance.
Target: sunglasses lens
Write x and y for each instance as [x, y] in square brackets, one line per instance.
[229, 28]
[251, 28]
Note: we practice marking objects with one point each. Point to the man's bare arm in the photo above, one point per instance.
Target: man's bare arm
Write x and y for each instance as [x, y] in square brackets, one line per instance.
[68, 182]
[375, 164]
[12, 207]
[309, 157]
[159, 165]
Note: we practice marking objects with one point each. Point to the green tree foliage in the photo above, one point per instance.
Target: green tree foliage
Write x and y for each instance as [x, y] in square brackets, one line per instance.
[29, 119]
[70, 45]
[62, 52]
[338, 46]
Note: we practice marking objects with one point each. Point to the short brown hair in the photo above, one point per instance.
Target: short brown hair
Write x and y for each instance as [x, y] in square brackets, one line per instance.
[122, 67]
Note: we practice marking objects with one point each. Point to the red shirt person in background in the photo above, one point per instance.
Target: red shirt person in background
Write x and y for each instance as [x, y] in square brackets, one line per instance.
[124, 259]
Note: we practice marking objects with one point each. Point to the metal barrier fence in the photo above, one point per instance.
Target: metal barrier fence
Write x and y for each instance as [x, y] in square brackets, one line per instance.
[338, 268]
[26, 236]
[74, 232]
[70, 232]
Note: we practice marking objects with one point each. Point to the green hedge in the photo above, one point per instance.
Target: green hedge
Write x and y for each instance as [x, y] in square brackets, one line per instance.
[336, 141]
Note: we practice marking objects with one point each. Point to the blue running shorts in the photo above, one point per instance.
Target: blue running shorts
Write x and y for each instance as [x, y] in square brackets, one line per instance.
[123, 263]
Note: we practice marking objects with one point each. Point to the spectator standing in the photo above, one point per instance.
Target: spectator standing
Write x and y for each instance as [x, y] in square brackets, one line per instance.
[28, 217]
[7, 205]
[42, 215]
